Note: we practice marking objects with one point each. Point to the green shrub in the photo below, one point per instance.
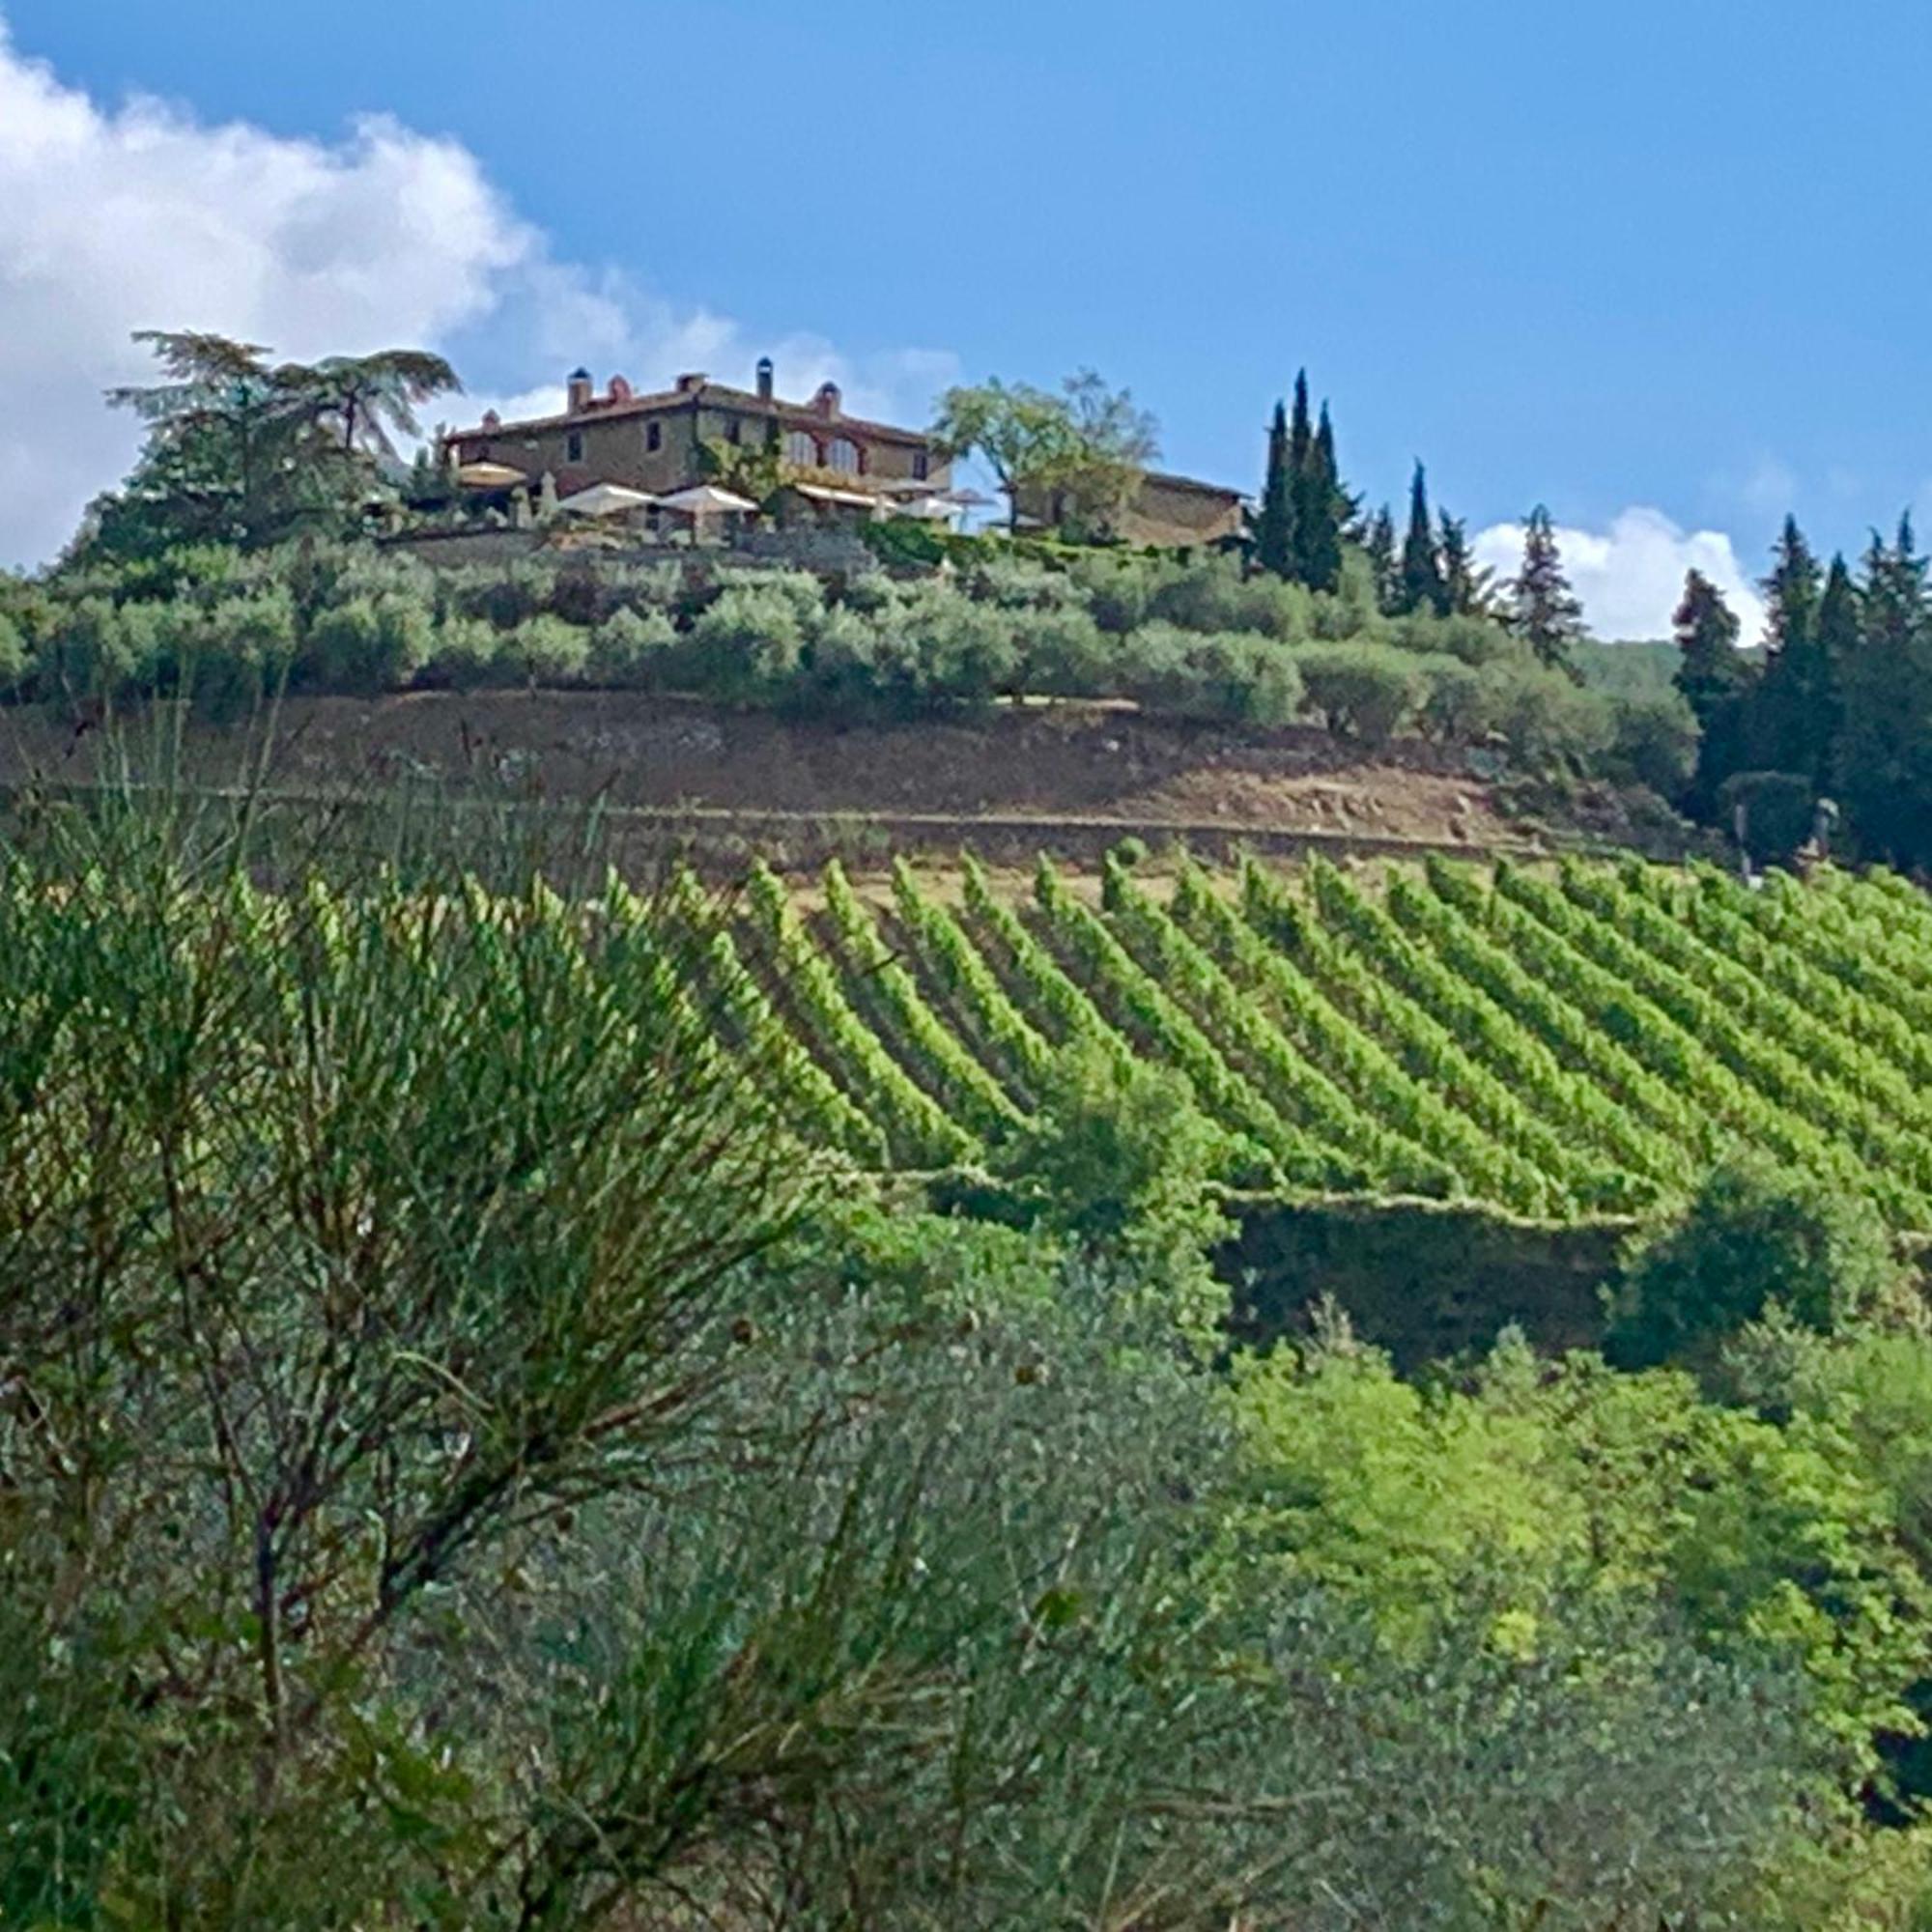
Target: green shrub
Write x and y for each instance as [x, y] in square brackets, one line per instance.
[1653, 742]
[1475, 641]
[1456, 708]
[1754, 1235]
[632, 648]
[1213, 595]
[242, 650]
[14, 655]
[466, 653]
[1237, 676]
[1777, 808]
[1365, 692]
[1351, 610]
[1119, 587]
[367, 644]
[97, 649]
[1064, 653]
[747, 644]
[961, 653]
[1546, 718]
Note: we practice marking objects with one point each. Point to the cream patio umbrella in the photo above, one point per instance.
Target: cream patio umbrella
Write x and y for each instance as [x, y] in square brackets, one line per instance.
[605, 500]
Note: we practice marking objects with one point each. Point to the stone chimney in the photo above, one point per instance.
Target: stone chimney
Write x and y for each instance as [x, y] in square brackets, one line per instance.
[689, 386]
[764, 378]
[826, 401]
[579, 391]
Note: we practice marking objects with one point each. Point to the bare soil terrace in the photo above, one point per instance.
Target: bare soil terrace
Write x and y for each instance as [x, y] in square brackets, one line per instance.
[1071, 775]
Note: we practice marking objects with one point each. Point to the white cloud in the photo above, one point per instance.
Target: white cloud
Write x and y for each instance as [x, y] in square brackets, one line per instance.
[137, 215]
[1631, 576]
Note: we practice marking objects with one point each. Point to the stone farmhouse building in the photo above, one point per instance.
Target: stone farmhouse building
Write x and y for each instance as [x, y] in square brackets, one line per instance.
[843, 467]
[652, 443]
[1168, 511]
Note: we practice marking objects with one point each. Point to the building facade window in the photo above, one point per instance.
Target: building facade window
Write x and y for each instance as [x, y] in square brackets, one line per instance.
[734, 429]
[801, 450]
[573, 447]
[922, 466]
[844, 457]
[654, 436]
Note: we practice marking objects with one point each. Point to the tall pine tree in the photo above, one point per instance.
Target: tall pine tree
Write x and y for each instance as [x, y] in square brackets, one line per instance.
[1542, 610]
[1422, 586]
[1321, 510]
[1836, 640]
[1274, 526]
[1883, 768]
[1378, 542]
[1715, 682]
[1466, 585]
[1790, 730]
[1300, 460]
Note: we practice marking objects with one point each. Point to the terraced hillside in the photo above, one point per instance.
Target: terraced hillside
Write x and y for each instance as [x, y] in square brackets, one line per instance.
[1554, 1043]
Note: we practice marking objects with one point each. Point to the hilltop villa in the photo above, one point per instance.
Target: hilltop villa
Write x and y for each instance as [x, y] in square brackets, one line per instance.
[652, 444]
[843, 469]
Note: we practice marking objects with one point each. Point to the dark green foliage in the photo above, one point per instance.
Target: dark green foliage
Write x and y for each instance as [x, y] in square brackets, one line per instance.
[1322, 509]
[1655, 742]
[1795, 708]
[1466, 587]
[1883, 766]
[1274, 526]
[1366, 693]
[1776, 809]
[1752, 1236]
[1542, 610]
[1379, 545]
[1716, 681]
[1422, 585]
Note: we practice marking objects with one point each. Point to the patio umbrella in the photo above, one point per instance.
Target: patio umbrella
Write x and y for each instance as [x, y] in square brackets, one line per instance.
[704, 499]
[605, 500]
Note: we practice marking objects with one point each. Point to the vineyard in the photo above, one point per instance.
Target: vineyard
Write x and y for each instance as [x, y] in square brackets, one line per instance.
[1555, 1043]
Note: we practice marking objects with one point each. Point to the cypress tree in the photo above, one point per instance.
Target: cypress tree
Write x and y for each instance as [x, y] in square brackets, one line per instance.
[1884, 763]
[1422, 586]
[1716, 683]
[1835, 642]
[1300, 460]
[1378, 541]
[1275, 528]
[1542, 610]
[1323, 508]
[1789, 731]
[1466, 587]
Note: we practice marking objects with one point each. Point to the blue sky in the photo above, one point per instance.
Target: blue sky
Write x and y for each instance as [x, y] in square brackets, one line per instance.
[1651, 262]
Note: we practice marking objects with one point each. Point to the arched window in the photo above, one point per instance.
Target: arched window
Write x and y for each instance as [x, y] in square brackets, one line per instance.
[844, 456]
[801, 450]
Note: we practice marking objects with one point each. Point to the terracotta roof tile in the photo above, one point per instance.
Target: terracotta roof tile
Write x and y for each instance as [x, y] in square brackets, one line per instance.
[714, 394]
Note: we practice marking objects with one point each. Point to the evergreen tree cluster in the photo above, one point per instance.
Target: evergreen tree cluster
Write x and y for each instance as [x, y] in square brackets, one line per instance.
[1841, 698]
[1305, 512]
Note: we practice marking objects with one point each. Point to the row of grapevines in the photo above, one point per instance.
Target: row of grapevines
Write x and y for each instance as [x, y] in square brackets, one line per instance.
[1627, 936]
[1364, 1153]
[1491, 1168]
[1870, 1078]
[1061, 1002]
[1707, 901]
[1430, 1048]
[919, 1130]
[1633, 1156]
[814, 1100]
[1609, 976]
[952, 959]
[1627, 1102]
[1850, 935]
[975, 1097]
[1456, 1156]
[1225, 1094]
